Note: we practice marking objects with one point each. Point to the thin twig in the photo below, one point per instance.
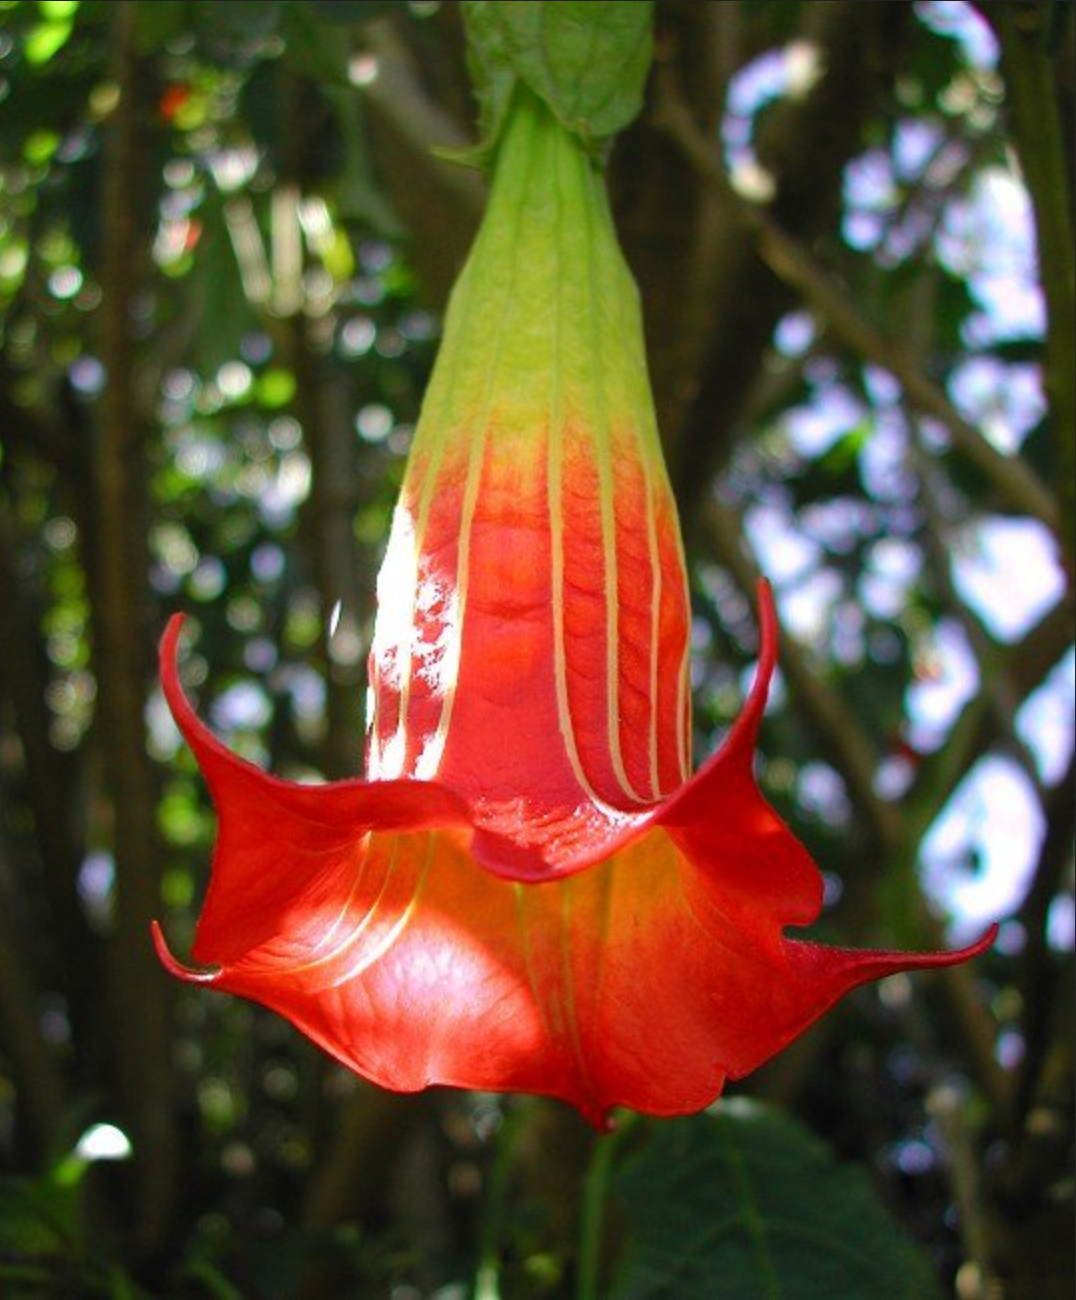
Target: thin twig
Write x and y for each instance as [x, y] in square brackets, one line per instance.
[950, 1108]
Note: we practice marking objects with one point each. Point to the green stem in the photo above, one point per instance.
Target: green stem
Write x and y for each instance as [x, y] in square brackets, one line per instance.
[487, 1275]
[595, 1194]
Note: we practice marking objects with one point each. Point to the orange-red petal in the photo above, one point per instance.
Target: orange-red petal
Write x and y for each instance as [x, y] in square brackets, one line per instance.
[644, 979]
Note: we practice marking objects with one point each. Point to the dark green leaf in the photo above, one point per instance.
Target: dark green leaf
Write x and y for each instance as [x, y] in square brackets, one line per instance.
[352, 11]
[39, 1217]
[744, 1204]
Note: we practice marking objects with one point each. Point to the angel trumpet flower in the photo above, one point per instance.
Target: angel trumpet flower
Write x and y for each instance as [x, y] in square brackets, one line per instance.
[529, 891]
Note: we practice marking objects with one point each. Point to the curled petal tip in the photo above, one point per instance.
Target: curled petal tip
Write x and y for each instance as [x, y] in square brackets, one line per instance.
[171, 635]
[744, 732]
[189, 973]
[168, 655]
[953, 956]
[979, 946]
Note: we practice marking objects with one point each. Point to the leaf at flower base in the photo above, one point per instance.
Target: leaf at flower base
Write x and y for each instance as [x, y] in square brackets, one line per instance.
[745, 1204]
[587, 60]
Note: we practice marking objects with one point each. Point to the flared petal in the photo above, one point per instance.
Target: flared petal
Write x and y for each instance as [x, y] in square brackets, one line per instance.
[359, 912]
[274, 837]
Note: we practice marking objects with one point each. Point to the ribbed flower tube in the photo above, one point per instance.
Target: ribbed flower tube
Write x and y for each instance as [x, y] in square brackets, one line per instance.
[532, 633]
[528, 891]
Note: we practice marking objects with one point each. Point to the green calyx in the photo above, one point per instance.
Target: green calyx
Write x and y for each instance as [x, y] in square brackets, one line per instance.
[544, 325]
[586, 60]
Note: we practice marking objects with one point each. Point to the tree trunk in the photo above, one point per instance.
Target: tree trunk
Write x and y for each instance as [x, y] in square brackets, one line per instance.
[123, 634]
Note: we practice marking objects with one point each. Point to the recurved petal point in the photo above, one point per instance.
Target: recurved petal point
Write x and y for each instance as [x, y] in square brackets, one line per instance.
[192, 974]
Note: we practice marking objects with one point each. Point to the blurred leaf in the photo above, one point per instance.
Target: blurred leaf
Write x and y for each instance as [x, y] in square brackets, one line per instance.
[160, 22]
[746, 1203]
[40, 146]
[314, 48]
[587, 61]
[39, 1217]
[352, 11]
[836, 471]
[46, 40]
[275, 388]
[211, 1280]
[253, 20]
[217, 289]
[358, 193]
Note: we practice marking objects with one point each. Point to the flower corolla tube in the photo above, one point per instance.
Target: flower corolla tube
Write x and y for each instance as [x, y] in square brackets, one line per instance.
[529, 891]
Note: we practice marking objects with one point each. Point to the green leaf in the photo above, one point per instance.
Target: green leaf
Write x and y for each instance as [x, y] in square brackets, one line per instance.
[587, 60]
[744, 1203]
[45, 40]
[159, 23]
[275, 388]
[58, 10]
[39, 1217]
[352, 11]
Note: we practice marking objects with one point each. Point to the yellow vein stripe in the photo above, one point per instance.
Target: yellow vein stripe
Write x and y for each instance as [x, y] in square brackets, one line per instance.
[447, 360]
[437, 421]
[476, 452]
[406, 651]
[655, 625]
[683, 699]
[554, 490]
[367, 959]
[648, 448]
[683, 720]
[606, 496]
[629, 343]
[360, 875]
[476, 456]
[361, 927]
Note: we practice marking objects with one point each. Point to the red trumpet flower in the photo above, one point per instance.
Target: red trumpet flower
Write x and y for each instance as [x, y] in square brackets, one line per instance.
[528, 892]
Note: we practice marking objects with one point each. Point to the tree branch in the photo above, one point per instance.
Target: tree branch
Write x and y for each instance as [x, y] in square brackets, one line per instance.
[1047, 165]
[804, 144]
[1015, 482]
[1023, 668]
[440, 202]
[1037, 974]
[846, 744]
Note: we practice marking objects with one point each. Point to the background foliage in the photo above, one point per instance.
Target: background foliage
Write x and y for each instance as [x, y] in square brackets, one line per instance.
[224, 245]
